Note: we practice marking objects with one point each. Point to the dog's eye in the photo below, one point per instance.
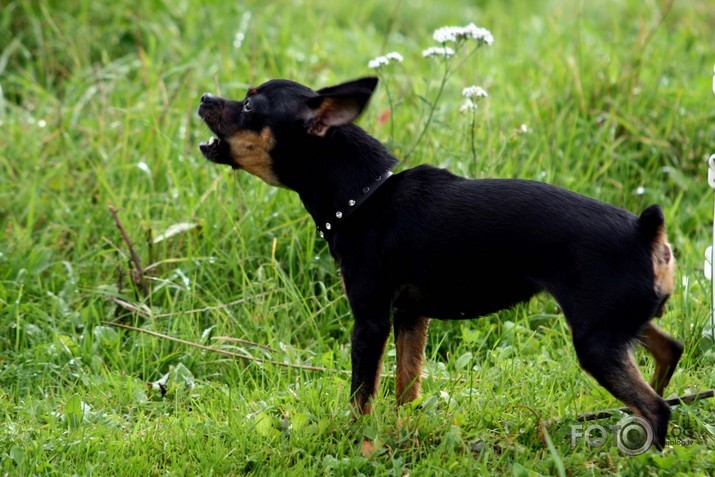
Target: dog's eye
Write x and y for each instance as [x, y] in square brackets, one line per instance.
[247, 106]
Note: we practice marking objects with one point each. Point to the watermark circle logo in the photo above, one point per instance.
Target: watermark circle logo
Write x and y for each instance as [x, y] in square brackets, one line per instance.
[634, 435]
[596, 435]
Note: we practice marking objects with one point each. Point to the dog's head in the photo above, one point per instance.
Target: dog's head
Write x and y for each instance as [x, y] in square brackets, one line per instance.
[279, 111]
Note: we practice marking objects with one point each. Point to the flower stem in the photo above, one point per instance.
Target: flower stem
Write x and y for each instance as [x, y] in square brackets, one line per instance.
[392, 109]
[433, 107]
[445, 76]
[473, 142]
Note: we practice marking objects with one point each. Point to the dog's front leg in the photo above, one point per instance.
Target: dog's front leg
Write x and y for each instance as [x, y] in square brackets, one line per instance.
[666, 352]
[372, 327]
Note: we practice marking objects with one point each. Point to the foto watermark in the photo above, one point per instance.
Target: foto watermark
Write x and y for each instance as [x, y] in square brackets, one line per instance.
[633, 435]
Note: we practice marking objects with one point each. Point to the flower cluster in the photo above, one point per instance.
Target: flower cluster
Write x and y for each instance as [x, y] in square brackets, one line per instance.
[472, 94]
[381, 61]
[450, 42]
[455, 34]
[438, 51]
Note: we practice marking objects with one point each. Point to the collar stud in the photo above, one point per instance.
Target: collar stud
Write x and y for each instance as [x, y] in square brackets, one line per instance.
[353, 204]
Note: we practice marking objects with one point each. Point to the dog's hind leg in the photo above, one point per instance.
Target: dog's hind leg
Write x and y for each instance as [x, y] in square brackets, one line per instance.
[410, 339]
[666, 352]
[609, 359]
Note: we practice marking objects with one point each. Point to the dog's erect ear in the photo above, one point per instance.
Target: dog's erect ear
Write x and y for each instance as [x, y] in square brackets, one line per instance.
[338, 105]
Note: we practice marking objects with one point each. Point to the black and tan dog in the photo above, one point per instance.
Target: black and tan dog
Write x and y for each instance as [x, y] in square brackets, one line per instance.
[425, 243]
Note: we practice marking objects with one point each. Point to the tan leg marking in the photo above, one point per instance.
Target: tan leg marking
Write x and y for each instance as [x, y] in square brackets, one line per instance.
[410, 358]
[666, 352]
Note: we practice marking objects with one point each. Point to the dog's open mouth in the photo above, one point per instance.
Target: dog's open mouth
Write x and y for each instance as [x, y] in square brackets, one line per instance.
[216, 150]
[209, 148]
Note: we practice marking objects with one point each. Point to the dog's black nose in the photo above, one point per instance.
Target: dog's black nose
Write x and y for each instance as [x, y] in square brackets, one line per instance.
[206, 97]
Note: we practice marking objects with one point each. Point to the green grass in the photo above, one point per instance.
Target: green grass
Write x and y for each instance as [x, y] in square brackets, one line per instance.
[90, 91]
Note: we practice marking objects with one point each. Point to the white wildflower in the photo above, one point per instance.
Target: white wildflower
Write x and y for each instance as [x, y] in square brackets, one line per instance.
[640, 190]
[455, 34]
[523, 129]
[445, 34]
[474, 92]
[378, 62]
[438, 51]
[482, 35]
[395, 56]
[468, 105]
[381, 61]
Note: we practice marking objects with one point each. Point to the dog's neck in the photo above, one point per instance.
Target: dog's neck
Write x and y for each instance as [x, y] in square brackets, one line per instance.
[343, 170]
[328, 224]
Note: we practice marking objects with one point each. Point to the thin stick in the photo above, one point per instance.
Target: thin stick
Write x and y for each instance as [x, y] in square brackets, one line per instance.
[592, 416]
[138, 277]
[220, 351]
[145, 312]
[231, 339]
[139, 309]
[136, 309]
[210, 308]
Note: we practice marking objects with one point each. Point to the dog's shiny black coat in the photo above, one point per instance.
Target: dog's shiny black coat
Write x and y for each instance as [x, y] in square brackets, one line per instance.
[428, 243]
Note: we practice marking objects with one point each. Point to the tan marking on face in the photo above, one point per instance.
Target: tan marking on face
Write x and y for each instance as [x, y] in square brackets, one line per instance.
[663, 264]
[410, 357]
[251, 151]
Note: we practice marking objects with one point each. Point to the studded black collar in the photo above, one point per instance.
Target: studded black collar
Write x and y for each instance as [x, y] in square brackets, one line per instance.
[351, 205]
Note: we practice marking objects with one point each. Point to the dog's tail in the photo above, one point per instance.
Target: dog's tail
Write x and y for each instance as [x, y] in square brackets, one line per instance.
[652, 224]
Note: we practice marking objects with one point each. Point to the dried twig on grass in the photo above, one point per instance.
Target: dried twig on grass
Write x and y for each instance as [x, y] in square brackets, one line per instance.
[543, 425]
[138, 273]
[145, 312]
[231, 339]
[221, 351]
[592, 416]
[214, 307]
[142, 310]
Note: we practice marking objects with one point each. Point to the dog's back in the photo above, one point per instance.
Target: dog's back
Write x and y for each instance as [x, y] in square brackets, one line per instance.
[458, 248]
